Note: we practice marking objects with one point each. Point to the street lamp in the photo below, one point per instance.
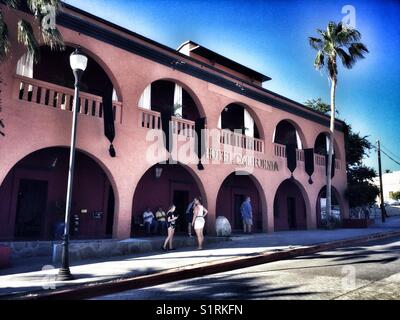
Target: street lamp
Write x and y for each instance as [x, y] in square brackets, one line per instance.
[78, 62]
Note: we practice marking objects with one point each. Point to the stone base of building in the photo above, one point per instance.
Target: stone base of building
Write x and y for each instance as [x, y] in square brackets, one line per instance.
[94, 249]
[357, 223]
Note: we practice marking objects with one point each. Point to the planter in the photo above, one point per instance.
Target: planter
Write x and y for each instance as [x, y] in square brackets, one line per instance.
[357, 223]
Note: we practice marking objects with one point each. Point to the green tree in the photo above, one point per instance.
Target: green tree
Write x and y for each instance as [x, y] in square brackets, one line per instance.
[337, 41]
[396, 195]
[357, 147]
[26, 36]
[319, 106]
[361, 191]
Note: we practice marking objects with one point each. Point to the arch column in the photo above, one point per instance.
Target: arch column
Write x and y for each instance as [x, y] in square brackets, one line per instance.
[312, 210]
[268, 217]
[212, 209]
[211, 194]
[123, 208]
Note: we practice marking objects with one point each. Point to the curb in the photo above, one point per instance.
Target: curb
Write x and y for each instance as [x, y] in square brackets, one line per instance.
[95, 289]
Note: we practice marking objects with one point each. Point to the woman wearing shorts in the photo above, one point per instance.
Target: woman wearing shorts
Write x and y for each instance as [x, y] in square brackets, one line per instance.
[171, 224]
[198, 222]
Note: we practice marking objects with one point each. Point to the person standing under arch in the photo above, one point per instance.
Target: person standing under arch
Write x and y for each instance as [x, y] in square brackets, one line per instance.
[247, 215]
[198, 222]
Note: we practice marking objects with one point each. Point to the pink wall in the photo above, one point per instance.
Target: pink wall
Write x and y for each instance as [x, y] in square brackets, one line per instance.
[31, 127]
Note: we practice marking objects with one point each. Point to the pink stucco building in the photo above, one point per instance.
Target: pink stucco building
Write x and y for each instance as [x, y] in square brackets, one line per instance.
[250, 132]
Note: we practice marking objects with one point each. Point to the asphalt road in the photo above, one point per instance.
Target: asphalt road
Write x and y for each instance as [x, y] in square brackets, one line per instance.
[370, 271]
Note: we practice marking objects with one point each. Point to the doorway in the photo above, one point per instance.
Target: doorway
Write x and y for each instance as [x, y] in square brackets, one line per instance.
[181, 201]
[31, 207]
[291, 210]
[237, 220]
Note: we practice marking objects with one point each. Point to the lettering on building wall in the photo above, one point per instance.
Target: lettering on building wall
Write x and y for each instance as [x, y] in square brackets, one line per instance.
[241, 160]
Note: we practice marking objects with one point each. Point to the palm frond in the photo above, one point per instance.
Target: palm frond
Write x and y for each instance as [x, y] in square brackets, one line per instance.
[348, 35]
[346, 58]
[9, 3]
[330, 29]
[357, 50]
[324, 35]
[53, 38]
[339, 27]
[37, 6]
[332, 69]
[338, 40]
[319, 60]
[5, 44]
[27, 38]
[316, 43]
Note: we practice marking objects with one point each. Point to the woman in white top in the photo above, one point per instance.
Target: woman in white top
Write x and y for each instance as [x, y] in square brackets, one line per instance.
[198, 222]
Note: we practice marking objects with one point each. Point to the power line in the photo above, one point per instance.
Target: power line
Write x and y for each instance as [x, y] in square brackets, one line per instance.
[387, 155]
[390, 157]
[392, 153]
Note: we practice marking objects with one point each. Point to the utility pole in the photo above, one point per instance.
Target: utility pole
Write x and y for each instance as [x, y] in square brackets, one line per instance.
[383, 211]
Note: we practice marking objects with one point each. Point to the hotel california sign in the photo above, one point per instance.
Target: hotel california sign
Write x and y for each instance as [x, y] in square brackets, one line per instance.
[226, 157]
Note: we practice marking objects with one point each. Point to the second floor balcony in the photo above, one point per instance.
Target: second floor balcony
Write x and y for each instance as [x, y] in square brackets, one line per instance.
[50, 95]
[238, 126]
[50, 83]
[319, 159]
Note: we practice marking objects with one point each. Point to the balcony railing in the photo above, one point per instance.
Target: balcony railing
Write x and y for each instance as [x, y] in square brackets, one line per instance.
[320, 161]
[152, 120]
[183, 127]
[280, 151]
[241, 141]
[149, 119]
[58, 97]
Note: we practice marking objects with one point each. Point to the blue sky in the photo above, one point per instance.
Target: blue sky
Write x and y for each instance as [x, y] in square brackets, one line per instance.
[271, 37]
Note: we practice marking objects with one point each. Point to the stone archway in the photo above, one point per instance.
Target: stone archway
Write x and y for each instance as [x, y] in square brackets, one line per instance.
[241, 118]
[290, 206]
[337, 206]
[288, 132]
[54, 67]
[233, 191]
[321, 145]
[161, 186]
[33, 197]
[167, 93]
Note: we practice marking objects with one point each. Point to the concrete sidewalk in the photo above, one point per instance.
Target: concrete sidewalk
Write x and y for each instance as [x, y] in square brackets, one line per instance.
[29, 276]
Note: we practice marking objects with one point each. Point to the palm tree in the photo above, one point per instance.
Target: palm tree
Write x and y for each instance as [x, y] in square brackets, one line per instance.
[26, 36]
[337, 41]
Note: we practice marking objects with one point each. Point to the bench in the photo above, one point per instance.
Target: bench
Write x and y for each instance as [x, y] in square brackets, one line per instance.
[5, 257]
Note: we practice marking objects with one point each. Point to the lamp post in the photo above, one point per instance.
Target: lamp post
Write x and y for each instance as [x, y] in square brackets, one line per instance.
[383, 209]
[78, 62]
